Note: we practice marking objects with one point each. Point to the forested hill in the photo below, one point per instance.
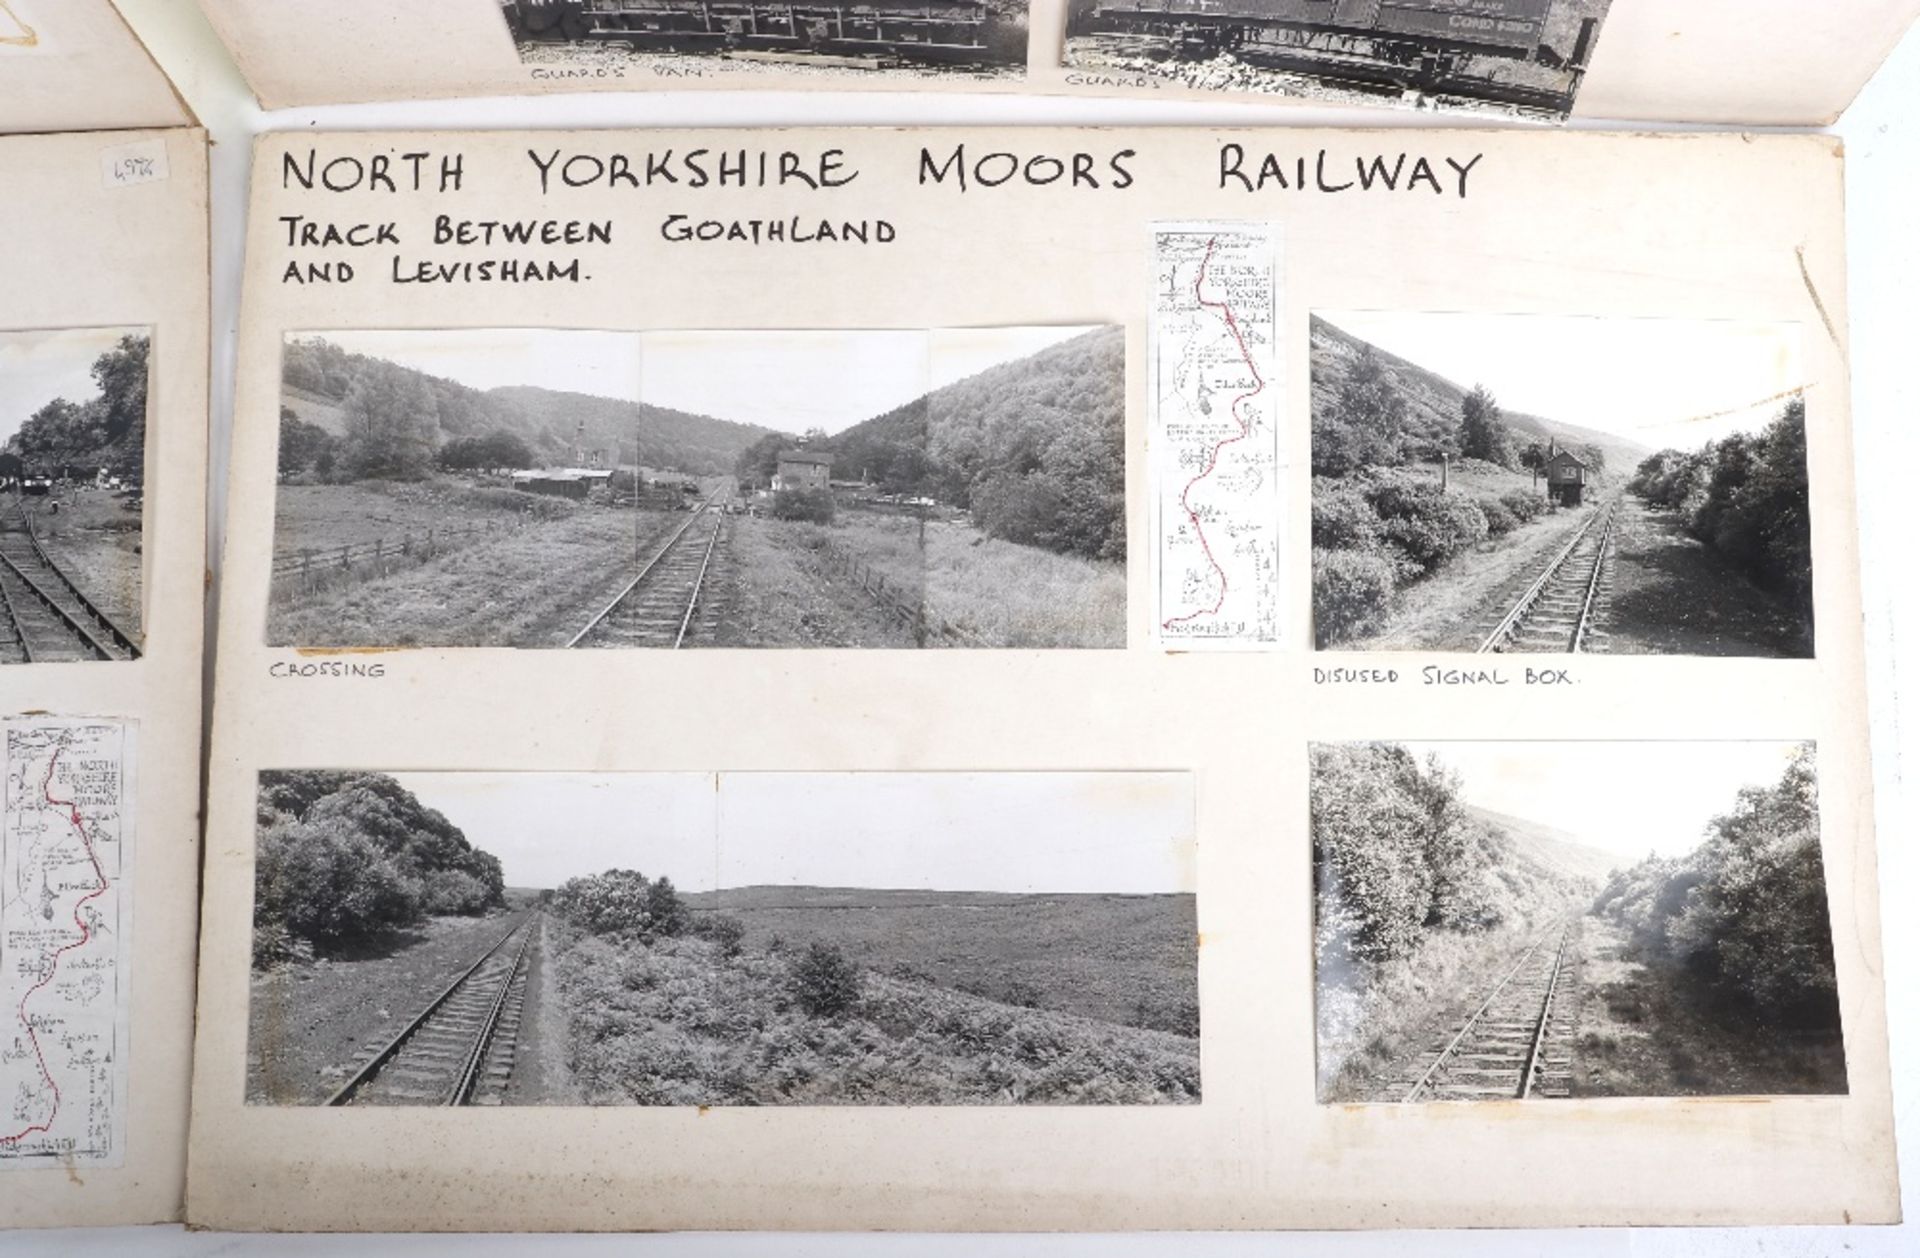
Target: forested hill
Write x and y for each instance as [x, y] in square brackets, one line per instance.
[319, 379]
[1550, 846]
[1434, 402]
[1036, 447]
[663, 438]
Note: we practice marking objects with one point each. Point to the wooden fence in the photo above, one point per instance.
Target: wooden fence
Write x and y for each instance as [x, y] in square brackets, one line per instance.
[906, 606]
[309, 569]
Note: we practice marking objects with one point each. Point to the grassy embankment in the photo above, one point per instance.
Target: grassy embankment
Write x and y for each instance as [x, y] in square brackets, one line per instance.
[1001, 593]
[553, 564]
[96, 541]
[1647, 1029]
[679, 1022]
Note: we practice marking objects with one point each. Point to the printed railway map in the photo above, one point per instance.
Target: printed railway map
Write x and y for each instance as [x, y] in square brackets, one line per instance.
[1214, 396]
[66, 848]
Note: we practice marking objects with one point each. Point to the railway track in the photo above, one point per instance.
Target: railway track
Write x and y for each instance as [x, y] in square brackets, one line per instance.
[44, 615]
[1514, 1045]
[459, 1050]
[660, 607]
[1558, 611]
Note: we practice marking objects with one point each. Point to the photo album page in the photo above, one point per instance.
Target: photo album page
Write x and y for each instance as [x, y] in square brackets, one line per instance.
[103, 452]
[1032, 679]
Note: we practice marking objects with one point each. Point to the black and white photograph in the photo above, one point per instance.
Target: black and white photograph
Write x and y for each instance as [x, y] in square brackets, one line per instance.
[1552, 920]
[891, 489]
[1560, 484]
[73, 450]
[679, 939]
[1515, 57]
[887, 40]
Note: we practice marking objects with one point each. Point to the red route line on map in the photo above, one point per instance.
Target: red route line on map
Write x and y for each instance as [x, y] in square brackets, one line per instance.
[53, 962]
[1213, 461]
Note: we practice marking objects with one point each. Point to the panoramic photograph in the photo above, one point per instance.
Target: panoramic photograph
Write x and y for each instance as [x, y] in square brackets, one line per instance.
[1517, 57]
[1500, 921]
[889, 39]
[1482, 483]
[735, 939]
[73, 455]
[555, 489]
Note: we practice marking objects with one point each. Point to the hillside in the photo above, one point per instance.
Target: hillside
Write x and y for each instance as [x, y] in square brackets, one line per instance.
[1128, 959]
[651, 436]
[1434, 402]
[1554, 848]
[1035, 448]
[317, 378]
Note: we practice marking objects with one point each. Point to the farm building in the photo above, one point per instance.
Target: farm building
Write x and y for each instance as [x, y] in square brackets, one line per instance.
[561, 482]
[802, 469]
[1566, 478]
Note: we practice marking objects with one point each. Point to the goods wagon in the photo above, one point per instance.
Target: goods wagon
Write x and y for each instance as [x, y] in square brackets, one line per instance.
[1433, 33]
[925, 30]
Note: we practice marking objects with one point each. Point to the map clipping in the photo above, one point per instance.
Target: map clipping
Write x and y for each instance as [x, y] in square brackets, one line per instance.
[1214, 396]
[66, 851]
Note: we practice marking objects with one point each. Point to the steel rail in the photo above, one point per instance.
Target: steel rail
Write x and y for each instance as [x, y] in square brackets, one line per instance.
[1585, 624]
[386, 1054]
[1518, 613]
[1546, 1014]
[13, 623]
[483, 1043]
[1453, 1045]
[120, 638]
[699, 582]
[645, 572]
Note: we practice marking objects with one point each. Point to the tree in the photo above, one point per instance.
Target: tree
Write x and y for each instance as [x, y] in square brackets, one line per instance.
[301, 443]
[392, 418]
[1483, 429]
[823, 981]
[121, 373]
[1534, 455]
[1363, 425]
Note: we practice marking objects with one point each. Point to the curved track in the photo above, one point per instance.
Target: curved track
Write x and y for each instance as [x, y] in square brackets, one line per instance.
[1558, 611]
[1500, 1051]
[44, 615]
[459, 1050]
[658, 608]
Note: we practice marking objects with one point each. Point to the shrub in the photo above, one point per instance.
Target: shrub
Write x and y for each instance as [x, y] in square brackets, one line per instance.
[453, 891]
[621, 904]
[1351, 590]
[330, 884]
[1524, 506]
[1343, 519]
[812, 505]
[1500, 520]
[823, 981]
[1426, 524]
[727, 933]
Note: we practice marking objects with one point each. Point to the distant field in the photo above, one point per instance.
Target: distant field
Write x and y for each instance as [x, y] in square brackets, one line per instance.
[1117, 958]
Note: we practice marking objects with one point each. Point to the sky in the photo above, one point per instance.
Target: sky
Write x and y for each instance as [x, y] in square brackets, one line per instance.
[1025, 832]
[37, 367]
[1657, 382]
[795, 380]
[602, 364]
[1627, 798]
